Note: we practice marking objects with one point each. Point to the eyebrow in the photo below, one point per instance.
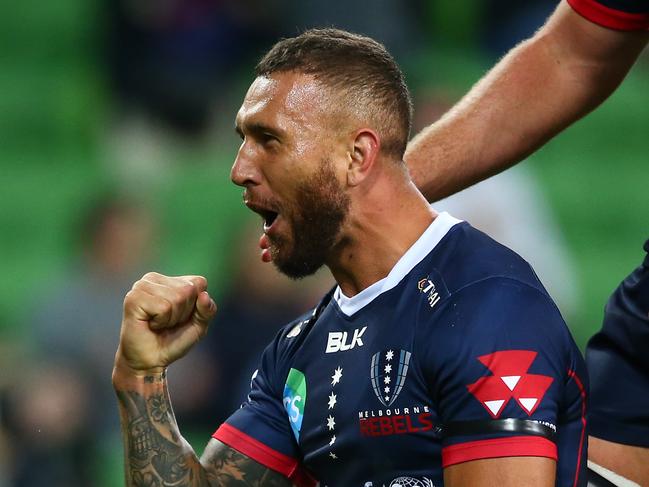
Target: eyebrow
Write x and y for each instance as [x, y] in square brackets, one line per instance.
[257, 128]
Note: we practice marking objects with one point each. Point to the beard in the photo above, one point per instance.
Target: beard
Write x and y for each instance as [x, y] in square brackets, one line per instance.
[316, 219]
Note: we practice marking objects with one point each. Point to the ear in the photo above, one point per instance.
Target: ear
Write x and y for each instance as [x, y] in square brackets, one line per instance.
[364, 154]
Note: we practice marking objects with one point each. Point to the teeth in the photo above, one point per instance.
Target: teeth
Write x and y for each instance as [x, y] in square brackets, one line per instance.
[269, 220]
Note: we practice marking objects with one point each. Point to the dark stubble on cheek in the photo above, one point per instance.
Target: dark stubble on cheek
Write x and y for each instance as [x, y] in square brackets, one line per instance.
[321, 207]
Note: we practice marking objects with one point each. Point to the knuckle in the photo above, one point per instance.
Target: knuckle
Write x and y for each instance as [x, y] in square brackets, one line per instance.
[186, 293]
[137, 285]
[130, 297]
[149, 276]
[165, 308]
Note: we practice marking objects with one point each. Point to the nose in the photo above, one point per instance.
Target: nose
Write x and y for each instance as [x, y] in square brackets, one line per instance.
[244, 171]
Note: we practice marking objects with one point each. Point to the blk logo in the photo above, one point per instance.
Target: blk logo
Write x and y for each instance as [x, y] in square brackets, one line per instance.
[510, 380]
[337, 340]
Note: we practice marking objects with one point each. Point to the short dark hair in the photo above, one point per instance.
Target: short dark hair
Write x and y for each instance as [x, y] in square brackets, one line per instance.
[359, 69]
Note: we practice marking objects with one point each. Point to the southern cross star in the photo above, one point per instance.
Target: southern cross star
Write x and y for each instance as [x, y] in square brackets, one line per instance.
[338, 373]
[332, 400]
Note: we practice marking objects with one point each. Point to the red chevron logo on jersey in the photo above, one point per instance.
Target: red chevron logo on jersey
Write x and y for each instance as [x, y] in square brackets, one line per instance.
[510, 380]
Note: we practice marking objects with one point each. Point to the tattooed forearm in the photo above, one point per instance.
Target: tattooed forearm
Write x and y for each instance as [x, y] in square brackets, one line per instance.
[227, 468]
[157, 456]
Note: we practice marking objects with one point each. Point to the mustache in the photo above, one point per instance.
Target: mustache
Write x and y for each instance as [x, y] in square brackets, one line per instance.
[260, 203]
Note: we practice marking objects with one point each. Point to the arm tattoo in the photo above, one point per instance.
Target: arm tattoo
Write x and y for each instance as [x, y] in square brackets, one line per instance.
[157, 456]
[227, 467]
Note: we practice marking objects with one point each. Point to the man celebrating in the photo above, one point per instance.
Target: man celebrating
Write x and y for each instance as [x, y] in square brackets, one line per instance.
[438, 359]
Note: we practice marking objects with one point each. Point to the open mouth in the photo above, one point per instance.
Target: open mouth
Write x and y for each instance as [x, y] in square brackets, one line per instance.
[268, 216]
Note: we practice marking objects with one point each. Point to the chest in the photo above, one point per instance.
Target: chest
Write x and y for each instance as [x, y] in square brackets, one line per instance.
[359, 404]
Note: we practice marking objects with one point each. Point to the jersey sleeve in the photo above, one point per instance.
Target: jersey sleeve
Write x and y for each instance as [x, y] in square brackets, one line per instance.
[260, 428]
[618, 363]
[509, 380]
[614, 14]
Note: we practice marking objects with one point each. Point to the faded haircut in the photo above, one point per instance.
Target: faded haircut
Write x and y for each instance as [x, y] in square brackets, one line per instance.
[359, 70]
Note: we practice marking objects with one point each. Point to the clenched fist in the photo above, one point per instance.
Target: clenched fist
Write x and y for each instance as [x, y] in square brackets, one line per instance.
[163, 318]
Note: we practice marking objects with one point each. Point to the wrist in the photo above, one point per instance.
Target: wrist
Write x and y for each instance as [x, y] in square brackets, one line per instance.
[124, 373]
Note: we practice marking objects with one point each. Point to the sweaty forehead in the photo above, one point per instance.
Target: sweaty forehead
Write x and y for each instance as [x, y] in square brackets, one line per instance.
[284, 99]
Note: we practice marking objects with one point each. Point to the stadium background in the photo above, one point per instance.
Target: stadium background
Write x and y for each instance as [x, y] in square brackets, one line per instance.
[75, 126]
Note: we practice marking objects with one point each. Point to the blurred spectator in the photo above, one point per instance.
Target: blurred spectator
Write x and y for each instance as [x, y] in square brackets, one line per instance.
[78, 316]
[62, 409]
[395, 23]
[171, 67]
[169, 59]
[507, 22]
[51, 429]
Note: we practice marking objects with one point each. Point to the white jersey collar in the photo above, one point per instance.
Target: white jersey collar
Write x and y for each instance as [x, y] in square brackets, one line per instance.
[413, 256]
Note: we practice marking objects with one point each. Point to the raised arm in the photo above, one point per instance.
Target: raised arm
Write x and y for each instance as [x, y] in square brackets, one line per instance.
[564, 71]
[163, 318]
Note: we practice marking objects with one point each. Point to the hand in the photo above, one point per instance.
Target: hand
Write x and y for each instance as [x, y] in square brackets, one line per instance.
[163, 318]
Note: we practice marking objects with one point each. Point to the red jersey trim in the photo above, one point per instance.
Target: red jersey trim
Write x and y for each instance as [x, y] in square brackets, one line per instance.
[261, 453]
[513, 446]
[582, 391]
[609, 17]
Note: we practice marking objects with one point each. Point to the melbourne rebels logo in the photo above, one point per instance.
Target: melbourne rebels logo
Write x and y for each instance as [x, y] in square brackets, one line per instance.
[510, 380]
[388, 372]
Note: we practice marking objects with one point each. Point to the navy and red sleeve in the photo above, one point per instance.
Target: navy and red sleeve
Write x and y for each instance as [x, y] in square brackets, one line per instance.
[614, 14]
[260, 428]
[506, 376]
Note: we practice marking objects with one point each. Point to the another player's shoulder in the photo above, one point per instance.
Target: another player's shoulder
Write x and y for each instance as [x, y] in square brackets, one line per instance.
[626, 314]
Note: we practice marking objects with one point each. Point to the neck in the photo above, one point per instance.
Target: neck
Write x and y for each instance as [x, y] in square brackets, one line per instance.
[392, 215]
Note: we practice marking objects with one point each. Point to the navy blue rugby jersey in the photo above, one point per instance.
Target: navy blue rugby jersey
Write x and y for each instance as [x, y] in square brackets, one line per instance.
[614, 14]
[618, 363]
[458, 354]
